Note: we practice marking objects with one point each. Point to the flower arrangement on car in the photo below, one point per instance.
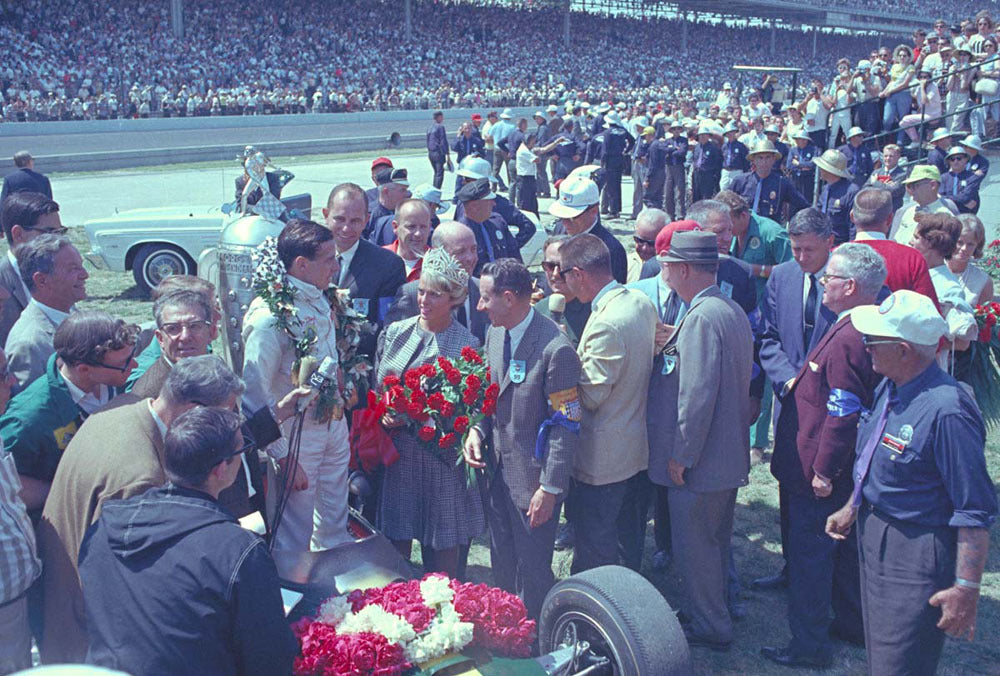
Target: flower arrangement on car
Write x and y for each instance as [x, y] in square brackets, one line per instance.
[440, 403]
[394, 629]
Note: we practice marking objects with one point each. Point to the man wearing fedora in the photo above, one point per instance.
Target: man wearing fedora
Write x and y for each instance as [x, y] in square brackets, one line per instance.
[922, 185]
[767, 191]
[704, 457]
[837, 196]
[802, 165]
[960, 185]
[858, 154]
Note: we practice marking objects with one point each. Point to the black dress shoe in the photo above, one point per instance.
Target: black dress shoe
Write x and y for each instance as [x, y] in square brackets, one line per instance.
[787, 658]
[696, 641]
[565, 537]
[779, 581]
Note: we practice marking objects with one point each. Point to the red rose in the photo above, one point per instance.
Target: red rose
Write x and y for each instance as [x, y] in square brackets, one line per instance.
[426, 433]
[985, 334]
[470, 396]
[492, 391]
[447, 440]
[470, 355]
[428, 370]
[473, 382]
[461, 424]
[444, 364]
[435, 401]
[412, 379]
[396, 392]
[418, 397]
[453, 376]
[489, 406]
[390, 381]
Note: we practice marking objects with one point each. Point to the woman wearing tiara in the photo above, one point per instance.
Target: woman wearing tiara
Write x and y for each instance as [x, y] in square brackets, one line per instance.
[425, 498]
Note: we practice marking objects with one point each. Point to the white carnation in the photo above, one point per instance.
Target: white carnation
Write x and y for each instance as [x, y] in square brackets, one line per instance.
[446, 633]
[376, 620]
[334, 610]
[436, 590]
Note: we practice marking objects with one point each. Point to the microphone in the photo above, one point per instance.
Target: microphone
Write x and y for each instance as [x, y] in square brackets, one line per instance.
[557, 306]
[319, 378]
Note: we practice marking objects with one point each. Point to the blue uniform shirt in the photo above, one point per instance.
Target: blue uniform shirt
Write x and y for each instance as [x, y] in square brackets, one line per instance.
[979, 166]
[707, 157]
[962, 189]
[677, 149]
[836, 201]
[805, 156]
[859, 161]
[734, 156]
[766, 196]
[659, 153]
[929, 467]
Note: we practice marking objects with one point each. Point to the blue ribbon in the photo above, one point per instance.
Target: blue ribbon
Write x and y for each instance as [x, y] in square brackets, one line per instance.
[558, 418]
[843, 403]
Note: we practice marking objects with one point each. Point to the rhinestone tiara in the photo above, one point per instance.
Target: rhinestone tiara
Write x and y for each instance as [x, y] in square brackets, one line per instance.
[440, 262]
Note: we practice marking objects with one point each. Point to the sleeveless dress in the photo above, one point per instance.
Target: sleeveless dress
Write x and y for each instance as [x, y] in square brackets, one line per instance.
[424, 498]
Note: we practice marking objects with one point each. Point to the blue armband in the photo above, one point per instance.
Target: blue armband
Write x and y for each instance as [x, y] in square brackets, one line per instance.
[558, 418]
[843, 403]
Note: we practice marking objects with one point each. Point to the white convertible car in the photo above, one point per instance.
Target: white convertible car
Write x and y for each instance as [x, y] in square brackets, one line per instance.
[157, 243]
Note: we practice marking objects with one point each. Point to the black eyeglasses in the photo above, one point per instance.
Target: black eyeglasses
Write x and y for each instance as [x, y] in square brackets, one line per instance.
[956, 158]
[640, 240]
[550, 266]
[123, 369]
[50, 231]
[562, 272]
[175, 329]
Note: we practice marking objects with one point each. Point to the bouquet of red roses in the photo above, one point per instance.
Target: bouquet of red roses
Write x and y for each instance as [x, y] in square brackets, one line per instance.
[984, 355]
[441, 402]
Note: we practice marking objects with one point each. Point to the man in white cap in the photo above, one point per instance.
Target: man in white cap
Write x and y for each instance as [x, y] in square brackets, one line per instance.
[766, 191]
[922, 185]
[578, 211]
[617, 144]
[837, 196]
[923, 498]
[858, 154]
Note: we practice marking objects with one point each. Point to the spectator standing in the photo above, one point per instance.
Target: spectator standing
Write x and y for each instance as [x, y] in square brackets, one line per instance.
[437, 148]
[675, 185]
[802, 165]
[897, 95]
[528, 163]
[25, 179]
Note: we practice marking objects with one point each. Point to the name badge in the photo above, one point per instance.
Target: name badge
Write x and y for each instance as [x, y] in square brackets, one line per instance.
[727, 289]
[755, 242]
[360, 305]
[773, 194]
[894, 444]
[669, 364]
[517, 370]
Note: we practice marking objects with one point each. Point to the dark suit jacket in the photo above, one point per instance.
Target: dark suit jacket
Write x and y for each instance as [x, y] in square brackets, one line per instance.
[551, 366]
[25, 180]
[10, 280]
[619, 259]
[405, 305]
[824, 442]
[374, 278]
[782, 348]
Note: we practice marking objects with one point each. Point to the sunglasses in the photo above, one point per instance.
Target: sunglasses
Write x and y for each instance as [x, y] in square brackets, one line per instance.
[639, 240]
[550, 266]
[122, 369]
[562, 272]
[957, 158]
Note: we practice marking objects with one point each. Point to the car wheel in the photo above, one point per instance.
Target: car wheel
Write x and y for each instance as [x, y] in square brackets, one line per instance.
[155, 262]
[623, 618]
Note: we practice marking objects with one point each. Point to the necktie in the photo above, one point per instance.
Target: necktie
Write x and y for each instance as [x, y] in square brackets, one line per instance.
[954, 186]
[809, 319]
[864, 460]
[826, 201]
[489, 242]
[506, 351]
[756, 197]
[463, 319]
[340, 265]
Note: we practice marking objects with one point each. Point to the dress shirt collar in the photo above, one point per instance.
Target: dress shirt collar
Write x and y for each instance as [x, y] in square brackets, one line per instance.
[610, 286]
[517, 332]
[160, 425]
[865, 235]
[86, 400]
[305, 290]
[55, 316]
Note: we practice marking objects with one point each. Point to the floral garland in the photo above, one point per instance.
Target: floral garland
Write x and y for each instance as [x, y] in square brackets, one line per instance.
[390, 630]
[271, 285]
[441, 403]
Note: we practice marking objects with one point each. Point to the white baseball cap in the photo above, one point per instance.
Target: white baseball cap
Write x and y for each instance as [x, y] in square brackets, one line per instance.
[906, 315]
[474, 167]
[576, 195]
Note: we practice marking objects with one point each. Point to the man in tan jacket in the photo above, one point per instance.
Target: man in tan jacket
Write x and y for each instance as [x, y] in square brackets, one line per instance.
[616, 355]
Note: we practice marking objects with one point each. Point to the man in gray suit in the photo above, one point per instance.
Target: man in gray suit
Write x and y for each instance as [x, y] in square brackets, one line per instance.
[459, 241]
[24, 216]
[708, 363]
[533, 432]
[616, 355]
[53, 271]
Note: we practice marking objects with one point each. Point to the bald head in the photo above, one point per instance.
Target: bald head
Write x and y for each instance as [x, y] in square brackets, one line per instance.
[647, 227]
[459, 241]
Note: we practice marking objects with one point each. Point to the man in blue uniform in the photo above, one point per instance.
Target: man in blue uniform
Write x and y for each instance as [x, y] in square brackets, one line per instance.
[960, 185]
[493, 238]
[675, 180]
[767, 192]
[707, 166]
[978, 164]
[475, 168]
[578, 209]
[940, 145]
[437, 148]
[837, 196]
[617, 143]
[640, 170]
[923, 498]
[801, 164]
[734, 156]
[859, 157]
[772, 134]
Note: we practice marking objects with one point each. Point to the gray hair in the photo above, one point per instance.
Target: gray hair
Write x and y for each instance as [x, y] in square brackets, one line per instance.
[864, 265]
[204, 380]
[809, 221]
[700, 211]
[654, 216]
[872, 207]
[446, 229]
[39, 255]
[182, 298]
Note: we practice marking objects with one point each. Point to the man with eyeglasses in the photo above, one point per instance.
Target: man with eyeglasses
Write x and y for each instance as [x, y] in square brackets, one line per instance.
[647, 227]
[922, 496]
[960, 185]
[812, 461]
[171, 583]
[53, 272]
[922, 185]
[23, 216]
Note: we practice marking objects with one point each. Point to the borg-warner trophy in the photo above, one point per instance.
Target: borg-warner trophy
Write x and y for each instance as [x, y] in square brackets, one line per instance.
[229, 265]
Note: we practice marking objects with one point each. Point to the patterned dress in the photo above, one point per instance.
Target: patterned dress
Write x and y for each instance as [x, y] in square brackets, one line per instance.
[424, 498]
